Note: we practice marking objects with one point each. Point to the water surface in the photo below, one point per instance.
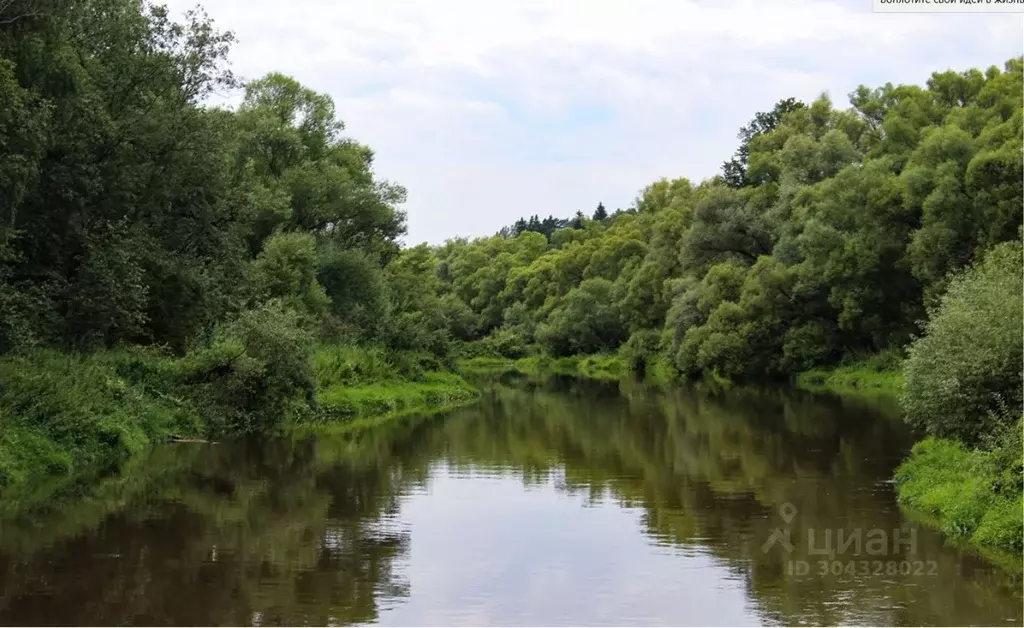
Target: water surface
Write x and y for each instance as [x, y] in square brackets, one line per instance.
[566, 503]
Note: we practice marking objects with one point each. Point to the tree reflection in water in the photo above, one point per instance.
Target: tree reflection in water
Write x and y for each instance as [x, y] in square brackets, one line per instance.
[308, 530]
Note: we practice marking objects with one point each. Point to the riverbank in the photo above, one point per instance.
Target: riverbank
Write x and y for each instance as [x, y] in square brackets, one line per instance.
[606, 367]
[880, 375]
[972, 494]
[364, 382]
[64, 415]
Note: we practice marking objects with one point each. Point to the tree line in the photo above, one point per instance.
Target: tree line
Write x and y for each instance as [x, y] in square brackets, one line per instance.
[831, 235]
[134, 214]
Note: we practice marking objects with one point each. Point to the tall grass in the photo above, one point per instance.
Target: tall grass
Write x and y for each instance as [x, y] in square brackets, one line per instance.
[358, 381]
[599, 366]
[974, 495]
[61, 413]
[64, 414]
[878, 374]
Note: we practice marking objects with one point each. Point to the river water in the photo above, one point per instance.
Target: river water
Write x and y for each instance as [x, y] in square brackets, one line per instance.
[546, 503]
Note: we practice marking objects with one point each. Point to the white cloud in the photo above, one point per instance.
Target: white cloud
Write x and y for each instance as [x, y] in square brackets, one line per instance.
[475, 106]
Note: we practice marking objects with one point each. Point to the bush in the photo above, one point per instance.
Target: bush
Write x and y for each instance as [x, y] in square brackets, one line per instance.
[966, 370]
[887, 361]
[502, 343]
[286, 269]
[641, 349]
[257, 367]
[348, 365]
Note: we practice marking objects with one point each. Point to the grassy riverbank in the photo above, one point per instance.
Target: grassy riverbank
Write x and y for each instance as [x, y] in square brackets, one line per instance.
[973, 495]
[606, 367]
[879, 375]
[359, 382]
[62, 414]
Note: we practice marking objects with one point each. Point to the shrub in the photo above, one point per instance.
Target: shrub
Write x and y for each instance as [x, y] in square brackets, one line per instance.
[256, 368]
[286, 269]
[966, 369]
[503, 343]
[641, 348]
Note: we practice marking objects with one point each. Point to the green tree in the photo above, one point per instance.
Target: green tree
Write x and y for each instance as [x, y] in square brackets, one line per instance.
[734, 171]
[585, 321]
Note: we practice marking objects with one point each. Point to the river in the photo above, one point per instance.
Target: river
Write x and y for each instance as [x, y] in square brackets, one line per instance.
[555, 502]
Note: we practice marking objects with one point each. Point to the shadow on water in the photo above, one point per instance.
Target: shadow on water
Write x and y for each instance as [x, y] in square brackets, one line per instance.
[659, 507]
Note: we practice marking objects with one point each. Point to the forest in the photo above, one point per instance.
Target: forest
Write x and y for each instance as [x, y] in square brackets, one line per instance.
[173, 269]
[169, 268]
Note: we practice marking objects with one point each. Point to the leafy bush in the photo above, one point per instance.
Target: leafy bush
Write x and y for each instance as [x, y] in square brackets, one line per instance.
[641, 348]
[503, 343]
[257, 367]
[286, 269]
[967, 367]
[348, 365]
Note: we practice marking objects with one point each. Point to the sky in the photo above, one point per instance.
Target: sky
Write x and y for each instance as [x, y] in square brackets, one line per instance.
[487, 110]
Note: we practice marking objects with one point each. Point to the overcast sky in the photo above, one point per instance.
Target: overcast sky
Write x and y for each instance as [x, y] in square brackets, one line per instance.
[488, 110]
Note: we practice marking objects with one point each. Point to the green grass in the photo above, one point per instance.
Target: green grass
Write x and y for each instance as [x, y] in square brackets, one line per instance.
[486, 366]
[601, 366]
[878, 375]
[64, 416]
[372, 382]
[393, 397]
[62, 413]
[606, 367]
[964, 492]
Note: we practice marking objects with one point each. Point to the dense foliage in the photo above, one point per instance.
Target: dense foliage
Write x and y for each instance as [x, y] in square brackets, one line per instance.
[228, 243]
[134, 214]
[829, 236]
[964, 376]
[964, 386]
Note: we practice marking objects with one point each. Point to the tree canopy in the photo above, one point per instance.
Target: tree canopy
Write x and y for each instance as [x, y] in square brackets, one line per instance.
[829, 235]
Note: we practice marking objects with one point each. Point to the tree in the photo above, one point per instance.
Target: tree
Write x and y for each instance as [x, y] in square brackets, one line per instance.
[306, 175]
[600, 214]
[106, 146]
[828, 240]
[585, 321]
[734, 171]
